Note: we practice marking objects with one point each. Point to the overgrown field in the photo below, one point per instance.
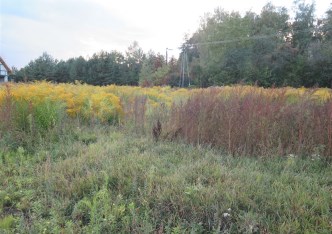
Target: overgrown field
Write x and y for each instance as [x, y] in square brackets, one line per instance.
[101, 180]
[239, 120]
[84, 159]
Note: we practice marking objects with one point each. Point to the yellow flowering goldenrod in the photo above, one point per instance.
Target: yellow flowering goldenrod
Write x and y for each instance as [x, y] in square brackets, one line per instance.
[322, 94]
[106, 103]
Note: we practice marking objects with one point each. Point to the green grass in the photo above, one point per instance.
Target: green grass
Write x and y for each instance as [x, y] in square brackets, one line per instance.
[104, 180]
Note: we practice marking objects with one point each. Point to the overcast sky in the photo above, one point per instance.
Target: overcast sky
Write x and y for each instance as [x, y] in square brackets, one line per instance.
[70, 28]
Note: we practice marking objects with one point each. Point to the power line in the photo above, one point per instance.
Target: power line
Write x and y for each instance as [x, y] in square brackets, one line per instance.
[229, 41]
[246, 38]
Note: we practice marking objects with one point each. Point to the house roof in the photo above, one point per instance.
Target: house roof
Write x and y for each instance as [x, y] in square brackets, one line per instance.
[9, 71]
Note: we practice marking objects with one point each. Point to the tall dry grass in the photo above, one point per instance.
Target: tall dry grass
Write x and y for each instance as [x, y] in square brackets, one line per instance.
[253, 121]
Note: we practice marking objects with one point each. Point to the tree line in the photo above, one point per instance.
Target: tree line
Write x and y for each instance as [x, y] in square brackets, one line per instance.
[267, 49]
[134, 67]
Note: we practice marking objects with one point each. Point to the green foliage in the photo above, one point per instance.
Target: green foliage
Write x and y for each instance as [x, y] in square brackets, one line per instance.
[124, 183]
[264, 49]
[31, 123]
[155, 71]
[40, 117]
[41, 68]
[48, 114]
[102, 68]
[303, 26]
[82, 212]
[7, 223]
[146, 75]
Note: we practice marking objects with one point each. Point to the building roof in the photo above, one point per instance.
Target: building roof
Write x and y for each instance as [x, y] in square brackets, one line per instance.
[9, 71]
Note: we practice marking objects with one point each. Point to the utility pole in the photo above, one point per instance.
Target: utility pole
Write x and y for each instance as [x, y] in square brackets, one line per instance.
[167, 49]
[184, 69]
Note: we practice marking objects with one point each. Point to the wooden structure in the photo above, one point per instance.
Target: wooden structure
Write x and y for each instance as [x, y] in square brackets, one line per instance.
[5, 71]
